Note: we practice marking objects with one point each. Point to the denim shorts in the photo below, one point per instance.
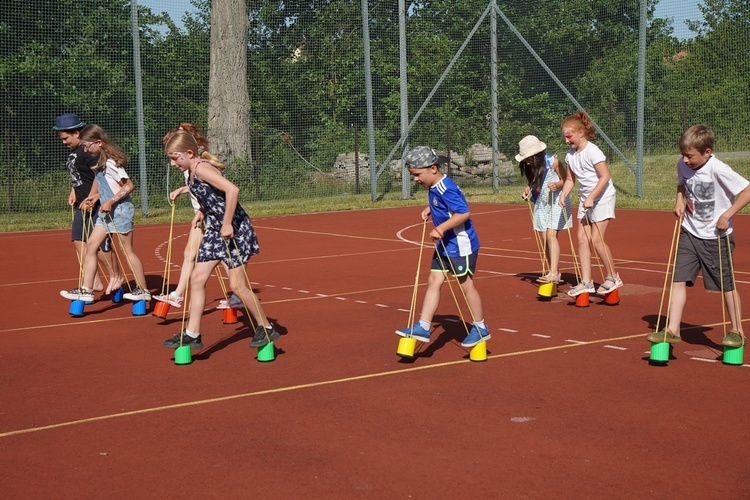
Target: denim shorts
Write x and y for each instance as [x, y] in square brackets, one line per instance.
[120, 220]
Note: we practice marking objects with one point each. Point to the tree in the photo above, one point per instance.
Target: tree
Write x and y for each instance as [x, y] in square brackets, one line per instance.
[228, 98]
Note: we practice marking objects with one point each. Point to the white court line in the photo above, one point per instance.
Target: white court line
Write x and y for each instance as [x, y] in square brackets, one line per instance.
[616, 347]
[540, 335]
[705, 360]
[575, 341]
[507, 330]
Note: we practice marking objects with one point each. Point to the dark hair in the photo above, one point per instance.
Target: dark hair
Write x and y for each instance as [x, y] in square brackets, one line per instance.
[533, 168]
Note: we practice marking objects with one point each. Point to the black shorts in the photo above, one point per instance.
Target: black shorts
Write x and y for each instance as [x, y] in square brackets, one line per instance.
[696, 254]
[457, 266]
[83, 224]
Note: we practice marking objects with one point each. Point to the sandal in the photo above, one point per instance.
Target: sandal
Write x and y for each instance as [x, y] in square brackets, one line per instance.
[733, 339]
[550, 278]
[582, 287]
[663, 336]
[608, 285]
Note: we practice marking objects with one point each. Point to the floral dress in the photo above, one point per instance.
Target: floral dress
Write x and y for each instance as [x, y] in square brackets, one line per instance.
[213, 247]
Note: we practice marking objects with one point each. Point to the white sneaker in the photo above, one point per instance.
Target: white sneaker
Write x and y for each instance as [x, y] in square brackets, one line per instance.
[80, 293]
[137, 294]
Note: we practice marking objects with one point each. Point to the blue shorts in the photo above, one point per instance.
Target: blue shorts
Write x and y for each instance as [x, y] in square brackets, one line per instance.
[120, 220]
[457, 266]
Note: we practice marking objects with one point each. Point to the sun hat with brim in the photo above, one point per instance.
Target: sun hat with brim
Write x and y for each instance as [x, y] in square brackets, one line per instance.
[68, 121]
[421, 157]
[529, 146]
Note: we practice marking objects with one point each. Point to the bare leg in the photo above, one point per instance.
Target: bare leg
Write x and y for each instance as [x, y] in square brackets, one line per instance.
[473, 299]
[188, 260]
[602, 249]
[238, 284]
[90, 256]
[198, 279]
[553, 250]
[676, 306]
[584, 250]
[135, 262]
[734, 308]
[432, 295]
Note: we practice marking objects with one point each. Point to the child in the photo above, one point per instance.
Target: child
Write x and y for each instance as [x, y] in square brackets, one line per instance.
[713, 193]
[176, 297]
[79, 164]
[228, 238]
[112, 188]
[546, 176]
[456, 249]
[586, 162]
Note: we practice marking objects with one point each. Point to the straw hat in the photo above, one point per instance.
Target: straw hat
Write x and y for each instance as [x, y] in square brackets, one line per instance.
[529, 146]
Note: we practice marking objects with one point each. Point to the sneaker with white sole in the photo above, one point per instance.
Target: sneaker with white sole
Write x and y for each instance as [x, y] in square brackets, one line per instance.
[79, 293]
[264, 336]
[415, 331]
[183, 339]
[475, 336]
[582, 287]
[234, 302]
[172, 299]
[137, 294]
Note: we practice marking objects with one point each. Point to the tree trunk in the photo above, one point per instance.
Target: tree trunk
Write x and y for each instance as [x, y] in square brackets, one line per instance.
[228, 99]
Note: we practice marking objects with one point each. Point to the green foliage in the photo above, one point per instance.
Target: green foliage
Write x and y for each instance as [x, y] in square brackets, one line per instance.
[307, 92]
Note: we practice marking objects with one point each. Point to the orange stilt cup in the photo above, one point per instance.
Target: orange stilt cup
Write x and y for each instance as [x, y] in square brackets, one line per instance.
[582, 300]
[612, 298]
[161, 309]
[230, 316]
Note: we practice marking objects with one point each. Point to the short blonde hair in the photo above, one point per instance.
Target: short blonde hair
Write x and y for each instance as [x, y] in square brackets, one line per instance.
[698, 137]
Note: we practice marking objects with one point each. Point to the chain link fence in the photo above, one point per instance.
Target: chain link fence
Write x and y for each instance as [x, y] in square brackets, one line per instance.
[311, 132]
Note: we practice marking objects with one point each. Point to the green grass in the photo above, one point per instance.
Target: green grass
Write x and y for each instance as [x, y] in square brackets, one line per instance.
[659, 189]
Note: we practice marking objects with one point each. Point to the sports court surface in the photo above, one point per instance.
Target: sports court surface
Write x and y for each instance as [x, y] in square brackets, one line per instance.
[567, 404]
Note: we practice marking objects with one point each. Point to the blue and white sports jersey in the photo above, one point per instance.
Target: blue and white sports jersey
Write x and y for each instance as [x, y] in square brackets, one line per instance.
[445, 199]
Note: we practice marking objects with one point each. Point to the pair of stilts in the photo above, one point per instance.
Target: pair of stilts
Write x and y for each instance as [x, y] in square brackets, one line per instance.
[407, 344]
[662, 340]
[183, 354]
[548, 290]
[77, 306]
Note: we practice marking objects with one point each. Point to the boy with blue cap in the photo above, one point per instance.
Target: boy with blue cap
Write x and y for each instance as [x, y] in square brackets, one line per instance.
[79, 164]
[456, 245]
